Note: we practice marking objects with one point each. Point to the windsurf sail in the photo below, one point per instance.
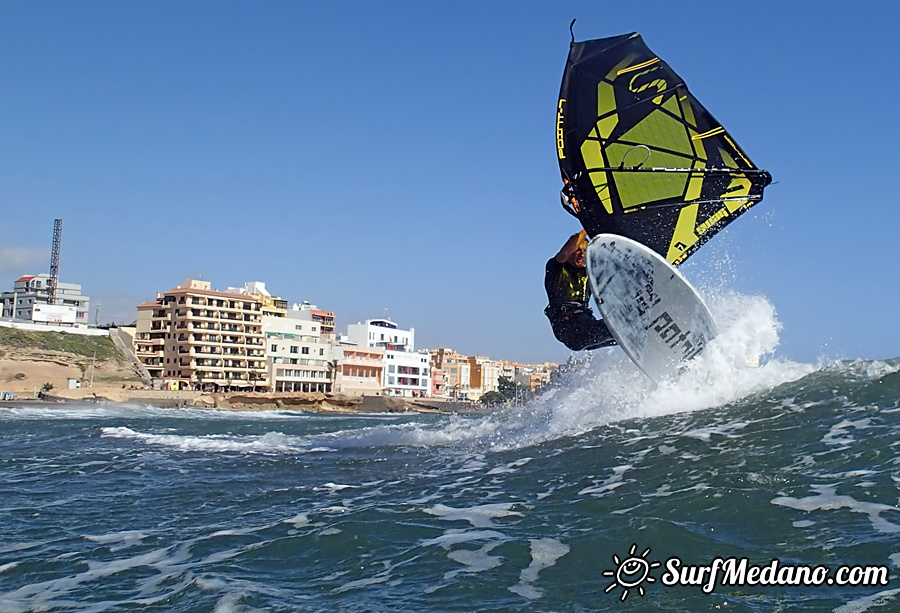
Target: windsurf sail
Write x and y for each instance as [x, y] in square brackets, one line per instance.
[641, 157]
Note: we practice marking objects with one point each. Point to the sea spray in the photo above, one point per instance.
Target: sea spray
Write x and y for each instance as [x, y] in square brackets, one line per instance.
[528, 508]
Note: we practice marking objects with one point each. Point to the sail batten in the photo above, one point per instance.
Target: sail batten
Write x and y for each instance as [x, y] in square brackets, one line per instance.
[641, 156]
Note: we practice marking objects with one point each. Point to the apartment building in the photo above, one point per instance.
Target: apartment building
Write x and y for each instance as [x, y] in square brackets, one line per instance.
[360, 370]
[437, 383]
[28, 301]
[324, 319]
[484, 376]
[299, 357]
[455, 367]
[272, 306]
[407, 372]
[192, 337]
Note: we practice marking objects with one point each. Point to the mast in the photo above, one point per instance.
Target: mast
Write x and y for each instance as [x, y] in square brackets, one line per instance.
[54, 262]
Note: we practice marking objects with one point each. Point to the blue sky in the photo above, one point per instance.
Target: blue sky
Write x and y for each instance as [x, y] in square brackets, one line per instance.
[399, 158]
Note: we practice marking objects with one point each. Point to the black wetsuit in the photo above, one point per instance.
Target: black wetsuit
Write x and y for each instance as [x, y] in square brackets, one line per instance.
[569, 310]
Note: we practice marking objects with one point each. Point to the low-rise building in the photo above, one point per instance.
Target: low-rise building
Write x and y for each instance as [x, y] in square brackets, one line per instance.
[29, 301]
[360, 370]
[407, 372]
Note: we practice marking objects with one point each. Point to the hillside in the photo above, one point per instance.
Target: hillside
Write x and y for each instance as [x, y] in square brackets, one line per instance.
[29, 360]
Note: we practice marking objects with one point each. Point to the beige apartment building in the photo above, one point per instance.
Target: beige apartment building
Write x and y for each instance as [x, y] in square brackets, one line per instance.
[484, 376]
[192, 337]
[360, 370]
[456, 372]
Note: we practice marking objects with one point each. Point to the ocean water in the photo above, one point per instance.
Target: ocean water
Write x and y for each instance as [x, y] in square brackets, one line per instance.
[577, 501]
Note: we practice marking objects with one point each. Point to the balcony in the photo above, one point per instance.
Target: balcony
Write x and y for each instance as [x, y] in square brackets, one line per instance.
[149, 353]
[207, 350]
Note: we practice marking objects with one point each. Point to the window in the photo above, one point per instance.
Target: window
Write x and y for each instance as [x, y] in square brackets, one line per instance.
[298, 327]
[305, 351]
[321, 352]
[294, 349]
[274, 348]
[391, 368]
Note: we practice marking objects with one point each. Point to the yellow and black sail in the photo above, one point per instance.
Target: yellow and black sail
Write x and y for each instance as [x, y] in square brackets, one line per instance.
[640, 155]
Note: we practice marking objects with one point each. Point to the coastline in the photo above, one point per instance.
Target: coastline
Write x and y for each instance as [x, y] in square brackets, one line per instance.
[254, 401]
[73, 378]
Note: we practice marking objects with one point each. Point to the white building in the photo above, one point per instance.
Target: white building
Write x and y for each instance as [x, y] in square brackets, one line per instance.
[299, 358]
[29, 302]
[406, 372]
[308, 311]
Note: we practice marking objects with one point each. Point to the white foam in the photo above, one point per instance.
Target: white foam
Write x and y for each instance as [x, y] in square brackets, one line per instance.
[611, 483]
[229, 603]
[333, 487]
[544, 554]
[480, 516]
[271, 442]
[867, 602]
[455, 537]
[361, 583]
[840, 435]
[828, 500]
[298, 521]
[474, 561]
[127, 538]
[509, 468]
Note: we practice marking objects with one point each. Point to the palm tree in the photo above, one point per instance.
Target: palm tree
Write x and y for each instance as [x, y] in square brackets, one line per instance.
[332, 372]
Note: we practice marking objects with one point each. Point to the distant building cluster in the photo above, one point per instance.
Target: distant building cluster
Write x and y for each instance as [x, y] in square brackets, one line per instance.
[193, 337]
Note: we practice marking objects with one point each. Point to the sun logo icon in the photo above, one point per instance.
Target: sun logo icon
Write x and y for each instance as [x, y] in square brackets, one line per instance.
[631, 572]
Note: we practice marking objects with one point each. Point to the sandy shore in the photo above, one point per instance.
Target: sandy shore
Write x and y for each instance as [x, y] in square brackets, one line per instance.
[25, 372]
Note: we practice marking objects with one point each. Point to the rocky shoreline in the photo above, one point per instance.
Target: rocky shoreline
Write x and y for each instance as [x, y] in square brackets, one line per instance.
[258, 401]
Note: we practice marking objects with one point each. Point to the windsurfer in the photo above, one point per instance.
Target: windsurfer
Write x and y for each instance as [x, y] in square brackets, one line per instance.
[569, 311]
